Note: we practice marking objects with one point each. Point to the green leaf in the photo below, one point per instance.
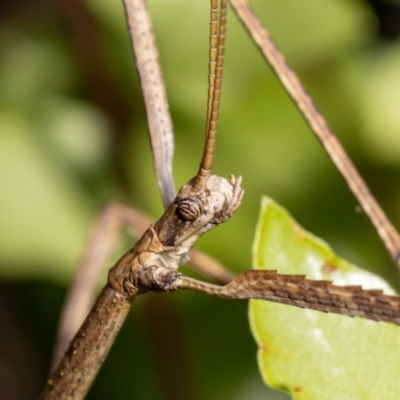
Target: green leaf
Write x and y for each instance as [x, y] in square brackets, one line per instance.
[313, 355]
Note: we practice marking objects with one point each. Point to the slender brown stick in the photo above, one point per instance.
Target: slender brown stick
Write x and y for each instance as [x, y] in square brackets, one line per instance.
[154, 94]
[297, 291]
[77, 370]
[319, 126]
[80, 297]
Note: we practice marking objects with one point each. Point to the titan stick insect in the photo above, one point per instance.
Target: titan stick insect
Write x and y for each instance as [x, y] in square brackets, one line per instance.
[204, 202]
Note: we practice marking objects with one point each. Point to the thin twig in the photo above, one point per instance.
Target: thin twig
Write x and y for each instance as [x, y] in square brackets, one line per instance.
[80, 297]
[153, 89]
[79, 366]
[319, 126]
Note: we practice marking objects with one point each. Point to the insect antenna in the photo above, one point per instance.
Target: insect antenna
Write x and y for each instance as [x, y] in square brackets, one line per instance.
[215, 71]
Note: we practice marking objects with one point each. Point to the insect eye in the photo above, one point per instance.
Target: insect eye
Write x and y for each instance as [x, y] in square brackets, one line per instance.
[190, 208]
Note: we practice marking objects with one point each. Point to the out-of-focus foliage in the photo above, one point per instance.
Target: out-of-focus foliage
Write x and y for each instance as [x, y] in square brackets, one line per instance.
[73, 136]
[310, 354]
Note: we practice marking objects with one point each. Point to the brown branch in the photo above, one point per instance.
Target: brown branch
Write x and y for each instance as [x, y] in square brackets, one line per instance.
[319, 126]
[80, 297]
[78, 368]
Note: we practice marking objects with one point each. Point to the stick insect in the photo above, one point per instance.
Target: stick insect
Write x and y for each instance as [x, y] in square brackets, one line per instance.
[204, 202]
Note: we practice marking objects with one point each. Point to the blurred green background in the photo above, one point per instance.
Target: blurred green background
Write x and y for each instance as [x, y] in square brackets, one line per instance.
[73, 137]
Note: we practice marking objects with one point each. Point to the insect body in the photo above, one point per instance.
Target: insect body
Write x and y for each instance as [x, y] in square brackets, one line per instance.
[204, 202]
[166, 244]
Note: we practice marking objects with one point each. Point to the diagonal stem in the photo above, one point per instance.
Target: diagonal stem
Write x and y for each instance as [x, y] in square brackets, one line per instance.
[80, 296]
[76, 371]
[319, 126]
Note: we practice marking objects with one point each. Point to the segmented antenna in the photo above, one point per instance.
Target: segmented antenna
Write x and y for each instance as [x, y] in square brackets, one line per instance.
[215, 70]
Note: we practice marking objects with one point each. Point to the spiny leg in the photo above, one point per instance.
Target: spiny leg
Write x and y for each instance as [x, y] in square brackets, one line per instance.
[297, 291]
